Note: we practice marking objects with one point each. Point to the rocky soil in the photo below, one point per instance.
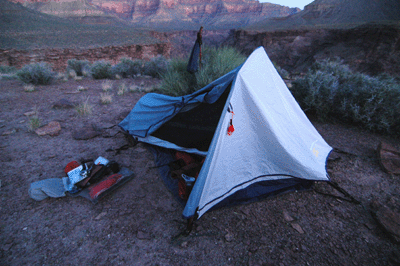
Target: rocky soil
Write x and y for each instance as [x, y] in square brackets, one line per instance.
[141, 222]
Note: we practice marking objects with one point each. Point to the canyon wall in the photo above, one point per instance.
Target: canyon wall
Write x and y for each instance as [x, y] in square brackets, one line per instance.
[372, 48]
[58, 57]
[157, 13]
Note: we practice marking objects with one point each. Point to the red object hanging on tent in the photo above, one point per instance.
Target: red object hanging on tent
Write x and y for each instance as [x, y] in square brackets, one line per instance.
[231, 128]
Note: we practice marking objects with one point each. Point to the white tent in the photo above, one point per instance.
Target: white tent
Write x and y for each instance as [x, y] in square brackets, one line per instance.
[273, 146]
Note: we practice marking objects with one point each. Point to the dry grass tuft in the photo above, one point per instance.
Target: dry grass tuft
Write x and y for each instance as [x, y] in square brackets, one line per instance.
[29, 87]
[122, 88]
[34, 121]
[133, 88]
[84, 108]
[107, 85]
[105, 98]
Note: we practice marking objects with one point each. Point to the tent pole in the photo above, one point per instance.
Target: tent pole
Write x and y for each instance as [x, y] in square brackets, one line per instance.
[190, 222]
[189, 226]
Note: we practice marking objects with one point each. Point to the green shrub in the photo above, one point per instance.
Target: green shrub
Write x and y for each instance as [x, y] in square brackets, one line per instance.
[127, 68]
[101, 70]
[36, 73]
[34, 123]
[216, 63]
[7, 69]
[177, 81]
[331, 90]
[79, 66]
[156, 67]
[8, 76]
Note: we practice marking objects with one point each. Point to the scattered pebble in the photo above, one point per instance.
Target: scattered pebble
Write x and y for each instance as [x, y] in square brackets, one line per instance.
[9, 132]
[287, 216]
[98, 217]
[229, 237]
[30, 113]
[298, 228]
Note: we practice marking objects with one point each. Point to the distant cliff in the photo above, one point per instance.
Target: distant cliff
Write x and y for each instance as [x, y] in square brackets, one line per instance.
[370, 48]
[167, 13]
[63, 8]
[339, 14]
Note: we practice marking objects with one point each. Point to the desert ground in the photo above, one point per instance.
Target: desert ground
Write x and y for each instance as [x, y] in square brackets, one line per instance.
[141, 223]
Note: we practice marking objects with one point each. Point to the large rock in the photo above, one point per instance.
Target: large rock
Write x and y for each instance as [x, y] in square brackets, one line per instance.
[86, 132]
[389, 158]
[388, 219]
[53, 129]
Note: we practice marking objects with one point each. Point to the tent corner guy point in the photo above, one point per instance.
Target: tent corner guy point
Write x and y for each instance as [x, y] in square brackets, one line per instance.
[254, 136]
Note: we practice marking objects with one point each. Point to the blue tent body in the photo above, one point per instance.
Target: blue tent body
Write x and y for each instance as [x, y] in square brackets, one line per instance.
[273, 147]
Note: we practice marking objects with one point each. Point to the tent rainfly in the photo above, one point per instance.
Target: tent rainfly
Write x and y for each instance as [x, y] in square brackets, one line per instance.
[272, 146]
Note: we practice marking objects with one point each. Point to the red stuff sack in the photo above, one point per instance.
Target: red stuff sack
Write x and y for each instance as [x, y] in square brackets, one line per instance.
[97, 189]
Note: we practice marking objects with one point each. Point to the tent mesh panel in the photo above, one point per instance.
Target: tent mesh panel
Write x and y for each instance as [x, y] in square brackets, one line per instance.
[194, 128]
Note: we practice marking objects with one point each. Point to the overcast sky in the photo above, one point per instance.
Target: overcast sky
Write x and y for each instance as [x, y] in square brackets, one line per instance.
[290, 3]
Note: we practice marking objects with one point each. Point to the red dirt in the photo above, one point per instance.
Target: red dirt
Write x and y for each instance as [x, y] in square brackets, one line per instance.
[140, 223]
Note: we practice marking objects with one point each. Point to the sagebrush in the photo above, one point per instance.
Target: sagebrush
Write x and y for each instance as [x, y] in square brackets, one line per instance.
[128, 68]
[7, 69]
[36, 73]
[331, 90]
[156, 67]
[81, 67]
[101, 70]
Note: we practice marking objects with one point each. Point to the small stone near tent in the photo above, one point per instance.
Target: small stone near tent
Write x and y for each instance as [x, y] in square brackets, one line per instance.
[63, 104]
[52, 129]
[86, 132]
